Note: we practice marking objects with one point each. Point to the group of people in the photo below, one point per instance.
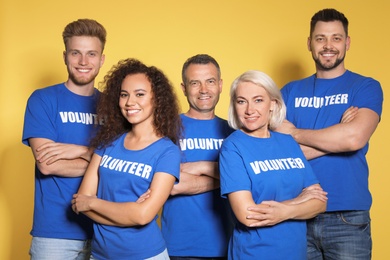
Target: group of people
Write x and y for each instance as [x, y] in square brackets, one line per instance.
[285, 177]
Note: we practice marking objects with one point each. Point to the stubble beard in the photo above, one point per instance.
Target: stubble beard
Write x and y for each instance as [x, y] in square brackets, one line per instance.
[328, 66]
[81, 81]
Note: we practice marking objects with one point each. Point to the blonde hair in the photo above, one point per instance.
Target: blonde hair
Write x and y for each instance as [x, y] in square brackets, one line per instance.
[262, 80]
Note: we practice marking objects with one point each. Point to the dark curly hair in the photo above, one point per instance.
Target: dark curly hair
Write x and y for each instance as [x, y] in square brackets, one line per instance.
[166, 106]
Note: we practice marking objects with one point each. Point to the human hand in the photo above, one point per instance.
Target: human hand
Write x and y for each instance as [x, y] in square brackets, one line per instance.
[51, 152]
[349, 114]
[268, 213]
[286, 128]
[82, 203]
[312, 192]
[144, 196]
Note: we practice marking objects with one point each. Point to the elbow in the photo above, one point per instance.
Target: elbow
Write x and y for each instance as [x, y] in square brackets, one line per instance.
[244, 220]
[355, 141]
[44, 168]
[321, 208]
[142, 218]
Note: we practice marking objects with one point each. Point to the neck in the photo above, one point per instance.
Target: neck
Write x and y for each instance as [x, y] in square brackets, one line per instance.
[200, 115]
[82, 90]
[330, 74]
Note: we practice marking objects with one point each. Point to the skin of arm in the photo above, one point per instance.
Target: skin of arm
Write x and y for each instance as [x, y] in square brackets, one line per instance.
[66, 160]
[308, 204]
[347, 136]
[121, 214]
[197, 177]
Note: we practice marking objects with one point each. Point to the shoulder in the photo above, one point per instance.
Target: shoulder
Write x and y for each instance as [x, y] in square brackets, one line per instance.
[237, 136]
[48, 92]
[358, 78]
[299, 82]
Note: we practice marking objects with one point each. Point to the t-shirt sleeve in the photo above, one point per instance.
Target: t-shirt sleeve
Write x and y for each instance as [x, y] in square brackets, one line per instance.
[38, 119]
[370, 95]
[233, 176]
[169, 162]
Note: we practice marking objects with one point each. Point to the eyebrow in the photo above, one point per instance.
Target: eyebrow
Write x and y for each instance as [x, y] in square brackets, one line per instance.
[335, 34]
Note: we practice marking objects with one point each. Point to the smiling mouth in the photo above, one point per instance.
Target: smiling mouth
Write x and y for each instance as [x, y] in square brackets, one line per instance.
[251, 118]
[204, 98]
[328, 54]
[133, 111]
[84, 70]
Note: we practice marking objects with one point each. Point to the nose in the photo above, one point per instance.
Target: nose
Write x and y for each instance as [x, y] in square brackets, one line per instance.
[130, 101]
[249, 108]
[203, 88]
[327, 45]
[83, 60]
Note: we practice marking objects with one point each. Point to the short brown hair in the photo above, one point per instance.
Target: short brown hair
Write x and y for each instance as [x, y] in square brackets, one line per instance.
[85, 27]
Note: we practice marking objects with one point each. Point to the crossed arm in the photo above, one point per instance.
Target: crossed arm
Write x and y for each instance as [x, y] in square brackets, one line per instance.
[351, 134]
[122, 214]
[308, 204]
[67, 160]
[197, 177]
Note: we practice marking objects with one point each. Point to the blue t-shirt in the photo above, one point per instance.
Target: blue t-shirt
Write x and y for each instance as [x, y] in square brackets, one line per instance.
[124, 175]
[62, 116]
[198, 225]
[315, 103]
[271, 169]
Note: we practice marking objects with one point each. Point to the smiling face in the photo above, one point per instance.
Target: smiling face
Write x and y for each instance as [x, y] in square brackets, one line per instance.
[253, 106]
[328, 45]
[202, 89]
[136, 99]
[83, 58]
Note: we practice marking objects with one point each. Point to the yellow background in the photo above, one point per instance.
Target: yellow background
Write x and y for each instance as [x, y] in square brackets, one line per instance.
[263, 35]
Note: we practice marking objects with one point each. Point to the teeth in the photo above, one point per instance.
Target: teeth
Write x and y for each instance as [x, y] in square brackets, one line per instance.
[132, 111]
[328, 54]
[83, 70]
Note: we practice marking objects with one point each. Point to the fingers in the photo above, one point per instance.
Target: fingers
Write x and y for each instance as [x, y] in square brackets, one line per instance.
[349, 114]
[74, 206]
[144, 196]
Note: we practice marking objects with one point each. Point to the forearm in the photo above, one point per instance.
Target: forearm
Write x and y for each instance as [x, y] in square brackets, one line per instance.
[306, 210]
[191, 184]
[343, 137]
[206, 168]
[64, 168]
[123, 214]
[311, 153]
[99, 218]
[330, 140]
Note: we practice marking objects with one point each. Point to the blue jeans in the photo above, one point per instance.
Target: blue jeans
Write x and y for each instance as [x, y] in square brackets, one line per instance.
[59, 249]
[196, 258]
[161, 256]
[339, 235]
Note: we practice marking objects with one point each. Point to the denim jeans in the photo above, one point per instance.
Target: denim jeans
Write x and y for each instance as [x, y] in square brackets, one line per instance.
[161, 256]
[339, 235]
[59, 249]
[197, 258]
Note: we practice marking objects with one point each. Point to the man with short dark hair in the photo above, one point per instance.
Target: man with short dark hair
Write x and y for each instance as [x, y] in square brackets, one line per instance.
[333, 114]
[196, 221]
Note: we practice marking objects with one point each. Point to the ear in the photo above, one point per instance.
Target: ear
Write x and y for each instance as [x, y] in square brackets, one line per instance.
[64, 57]
[183, 87]
[102, 59]
[273, 105]
[308, 44]
[220, 85]
[348, 43]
